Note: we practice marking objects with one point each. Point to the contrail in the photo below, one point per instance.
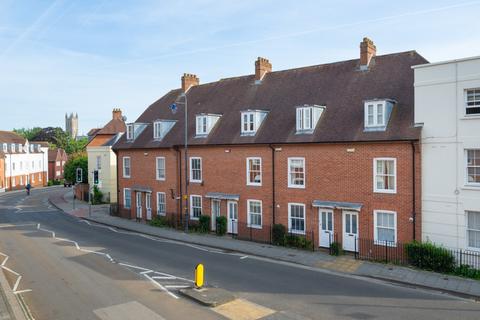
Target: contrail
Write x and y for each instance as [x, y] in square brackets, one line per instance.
[30, 29]
[295, 34]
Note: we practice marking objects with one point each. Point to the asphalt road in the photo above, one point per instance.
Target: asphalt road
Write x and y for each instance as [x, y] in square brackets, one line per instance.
[127, 274]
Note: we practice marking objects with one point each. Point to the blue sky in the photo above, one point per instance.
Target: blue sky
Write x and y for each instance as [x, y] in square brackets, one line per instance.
[89, 56]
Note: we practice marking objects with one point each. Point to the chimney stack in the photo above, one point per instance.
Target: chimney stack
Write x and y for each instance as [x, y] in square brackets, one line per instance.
[188, 81]
[262, 67]
[367, 52]
[117, 114]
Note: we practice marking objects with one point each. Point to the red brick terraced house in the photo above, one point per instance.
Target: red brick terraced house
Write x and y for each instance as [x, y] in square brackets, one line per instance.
[56, 163]
[329, 151]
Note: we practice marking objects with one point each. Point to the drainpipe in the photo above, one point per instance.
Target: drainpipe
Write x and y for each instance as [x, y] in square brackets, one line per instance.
[273, 183]
[414, 214]
[179, 157]
[11, 188]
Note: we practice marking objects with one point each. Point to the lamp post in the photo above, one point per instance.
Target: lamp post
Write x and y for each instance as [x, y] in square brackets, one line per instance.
[173, 107]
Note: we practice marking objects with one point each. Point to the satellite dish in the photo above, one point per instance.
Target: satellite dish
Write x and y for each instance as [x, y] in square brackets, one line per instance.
[124, 118]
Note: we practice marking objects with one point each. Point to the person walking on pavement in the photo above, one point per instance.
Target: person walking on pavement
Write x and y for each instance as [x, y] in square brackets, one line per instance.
[28, 187]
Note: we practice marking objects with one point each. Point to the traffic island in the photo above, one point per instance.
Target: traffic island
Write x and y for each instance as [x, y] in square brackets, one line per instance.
[210, 297]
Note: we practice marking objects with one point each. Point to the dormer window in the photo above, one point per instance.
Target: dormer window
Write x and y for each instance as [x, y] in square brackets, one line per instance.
[5, 148]
[130, 131]
[205, 123]
[161, 128]
[377, 114]
[251, 121]
[307, 118]
[13, 147]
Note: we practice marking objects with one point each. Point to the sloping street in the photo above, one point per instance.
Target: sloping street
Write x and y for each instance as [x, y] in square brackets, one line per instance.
[71, 269]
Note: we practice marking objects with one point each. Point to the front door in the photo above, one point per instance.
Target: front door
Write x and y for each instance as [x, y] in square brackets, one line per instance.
[326, 227]
[215, 213]
[350, 231]
[139, 205]
[232, 217]
[148, 205]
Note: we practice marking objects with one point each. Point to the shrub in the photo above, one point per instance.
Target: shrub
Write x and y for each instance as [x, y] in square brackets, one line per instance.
[278, 234]
[335, 249]
[50, 183]
[430, 257]
[298, 242]
[204, 224]
[97, 195]
[159, 221]
[466, 271]
[221, 225]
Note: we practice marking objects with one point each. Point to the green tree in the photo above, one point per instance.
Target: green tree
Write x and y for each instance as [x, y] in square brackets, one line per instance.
[78, 160]
[28, 133]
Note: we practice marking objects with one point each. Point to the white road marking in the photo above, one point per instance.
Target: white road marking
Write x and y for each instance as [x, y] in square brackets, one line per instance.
[160, 286]
[244, 257]
[135, 267]
[15, 287]
[23, 291]
[176, 286]
[4, 261]
[17, 225]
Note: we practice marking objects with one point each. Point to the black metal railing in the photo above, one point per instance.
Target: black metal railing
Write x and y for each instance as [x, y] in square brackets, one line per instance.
[422, 255]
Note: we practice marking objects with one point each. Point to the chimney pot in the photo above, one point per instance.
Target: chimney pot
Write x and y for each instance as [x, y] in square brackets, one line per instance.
[117, 114]
[368, 50]
[262, 67]
[189, 80]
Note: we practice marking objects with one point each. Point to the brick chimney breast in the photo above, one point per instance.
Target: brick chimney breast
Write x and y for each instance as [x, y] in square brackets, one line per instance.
[117, 114]
[262, 67]
[188, 81]
[367, 52]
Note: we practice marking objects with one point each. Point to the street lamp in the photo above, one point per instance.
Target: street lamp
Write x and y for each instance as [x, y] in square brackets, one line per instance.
[173, 108]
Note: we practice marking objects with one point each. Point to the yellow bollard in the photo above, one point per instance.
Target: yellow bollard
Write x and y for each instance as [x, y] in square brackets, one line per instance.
[199, 276]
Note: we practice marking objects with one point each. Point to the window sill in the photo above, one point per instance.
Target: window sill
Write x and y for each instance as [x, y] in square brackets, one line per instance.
[160, 179]
[254, 227]
[382, 243]
[248, 134]
[471, 117]
[471, 187]
[125, 177]
[194, 218]
[196, 181]
[254, 184]
[300, 233]
[385, 191]
[296, 187]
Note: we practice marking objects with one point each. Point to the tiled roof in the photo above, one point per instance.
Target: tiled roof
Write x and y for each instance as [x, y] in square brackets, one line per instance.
[11, 137]
[340, 86]
[113, 127]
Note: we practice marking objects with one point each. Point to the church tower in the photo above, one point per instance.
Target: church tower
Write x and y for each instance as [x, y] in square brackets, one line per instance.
[71, 124]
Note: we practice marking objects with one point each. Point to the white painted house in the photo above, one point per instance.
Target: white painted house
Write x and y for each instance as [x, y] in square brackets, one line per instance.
[447, 103]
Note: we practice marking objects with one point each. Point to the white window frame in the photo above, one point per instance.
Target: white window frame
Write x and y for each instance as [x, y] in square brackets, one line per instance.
[467, 230]
[305, 123]
[130, 132]
[99, 162]
[289, 177]
[290, 230]
[376, 105]
[467, 183]
[192, 217]
[191, 170]
[476, 91]
[164, 212]
[251, 122]
[375, 229]
[249, 220]
[201, 125]
[125, 197]
[129, 167]
[157, 130]
[375, 189]
[157, 169]
[253, 183]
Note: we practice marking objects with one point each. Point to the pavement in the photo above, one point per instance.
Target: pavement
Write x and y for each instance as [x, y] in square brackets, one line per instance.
[73, 268]
[343, 264]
